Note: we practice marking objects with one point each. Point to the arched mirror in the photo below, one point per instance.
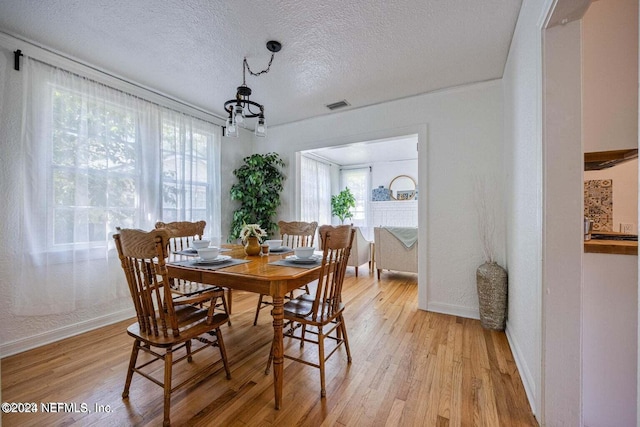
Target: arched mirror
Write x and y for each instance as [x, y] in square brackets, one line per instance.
[403, 187]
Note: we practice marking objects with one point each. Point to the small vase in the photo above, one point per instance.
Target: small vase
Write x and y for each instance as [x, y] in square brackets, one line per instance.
[492, 295]
[252, 247]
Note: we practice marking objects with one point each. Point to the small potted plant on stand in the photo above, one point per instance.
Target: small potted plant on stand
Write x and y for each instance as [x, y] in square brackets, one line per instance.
[251, 235]
[341, 204]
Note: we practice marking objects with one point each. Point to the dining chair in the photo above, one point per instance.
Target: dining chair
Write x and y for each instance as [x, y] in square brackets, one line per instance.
[294, 234]
[181, 235]
[165, 325]
[297, 233]
[325, 308]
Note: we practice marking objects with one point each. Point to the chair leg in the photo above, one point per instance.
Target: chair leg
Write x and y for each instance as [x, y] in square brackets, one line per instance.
[168, 363]
[323, 391]
[227, 307]
[223, 352]
[229, 300]
[379, 274]
[255, 320]
[343, 328]
[132, 365]
[356, 271]
[188, 346]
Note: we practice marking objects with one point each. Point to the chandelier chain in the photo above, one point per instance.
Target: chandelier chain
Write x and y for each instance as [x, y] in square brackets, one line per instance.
[266, 70]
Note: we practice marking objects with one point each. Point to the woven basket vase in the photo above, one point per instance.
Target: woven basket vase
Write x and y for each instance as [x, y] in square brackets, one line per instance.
[492, 295]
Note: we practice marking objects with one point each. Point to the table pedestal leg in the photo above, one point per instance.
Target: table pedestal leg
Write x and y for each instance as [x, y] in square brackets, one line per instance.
[278, 348]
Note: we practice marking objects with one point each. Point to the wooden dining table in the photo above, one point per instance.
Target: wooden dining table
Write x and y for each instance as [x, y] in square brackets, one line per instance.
[260, 277]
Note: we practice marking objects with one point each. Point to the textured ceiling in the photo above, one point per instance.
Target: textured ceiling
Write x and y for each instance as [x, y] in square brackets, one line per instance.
[363, 51]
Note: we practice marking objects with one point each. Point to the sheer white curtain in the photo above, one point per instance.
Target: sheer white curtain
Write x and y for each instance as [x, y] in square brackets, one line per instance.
[358, 180]
[190, 171]
[94, 158]
[315, 191]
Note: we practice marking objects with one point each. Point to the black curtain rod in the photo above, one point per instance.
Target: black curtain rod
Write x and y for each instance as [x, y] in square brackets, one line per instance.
[16, 59]
[16, 65]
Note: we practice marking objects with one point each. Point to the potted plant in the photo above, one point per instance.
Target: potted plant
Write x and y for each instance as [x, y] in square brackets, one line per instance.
[251, 235]
[260, 181]
[341, 204]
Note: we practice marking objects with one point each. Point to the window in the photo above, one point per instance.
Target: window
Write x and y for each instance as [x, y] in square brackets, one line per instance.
[315, 192]
[99, 159]
[185, 174]
[94, 169]
[357, 180]
[93, 158]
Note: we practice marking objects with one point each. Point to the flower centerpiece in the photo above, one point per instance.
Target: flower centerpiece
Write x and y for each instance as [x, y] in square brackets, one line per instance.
[251, 235]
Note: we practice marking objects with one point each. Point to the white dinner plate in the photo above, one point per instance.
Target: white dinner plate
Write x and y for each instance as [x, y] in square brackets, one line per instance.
[311, 260]
[217, 260]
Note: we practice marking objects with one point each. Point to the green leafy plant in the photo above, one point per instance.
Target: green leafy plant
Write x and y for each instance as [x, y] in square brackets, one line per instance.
[341, 204]
[260, 181]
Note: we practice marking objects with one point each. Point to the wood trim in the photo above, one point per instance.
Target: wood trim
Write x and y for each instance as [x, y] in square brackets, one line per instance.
[611, 247]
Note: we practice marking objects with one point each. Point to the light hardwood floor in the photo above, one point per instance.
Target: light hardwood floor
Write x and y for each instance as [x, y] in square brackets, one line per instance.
[410, 367]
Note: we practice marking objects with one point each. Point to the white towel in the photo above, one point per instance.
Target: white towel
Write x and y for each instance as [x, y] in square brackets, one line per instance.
[407, 235]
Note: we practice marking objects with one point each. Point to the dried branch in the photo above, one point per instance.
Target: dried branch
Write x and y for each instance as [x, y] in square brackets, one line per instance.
[486, 218]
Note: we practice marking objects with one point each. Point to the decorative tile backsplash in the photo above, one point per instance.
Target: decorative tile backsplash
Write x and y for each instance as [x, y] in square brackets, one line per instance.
[598, 203]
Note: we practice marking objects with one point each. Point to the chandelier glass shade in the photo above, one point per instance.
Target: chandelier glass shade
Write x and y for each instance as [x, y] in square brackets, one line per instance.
[242, 107]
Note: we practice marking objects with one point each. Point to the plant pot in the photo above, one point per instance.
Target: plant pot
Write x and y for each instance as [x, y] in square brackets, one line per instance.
[252, 247]
[491, 280]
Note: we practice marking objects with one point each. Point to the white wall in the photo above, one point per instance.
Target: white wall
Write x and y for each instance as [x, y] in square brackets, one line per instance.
[544, 188]
[610, 339]
[610, 292]
[232, 152]
[563, 165]
[464, 141]
[383, 173]
[610, 64]
[625, 192]
[523, 179]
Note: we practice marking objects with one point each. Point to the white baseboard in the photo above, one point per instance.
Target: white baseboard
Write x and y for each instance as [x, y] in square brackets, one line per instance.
[525, 374]
[454, 310]
[18, 346]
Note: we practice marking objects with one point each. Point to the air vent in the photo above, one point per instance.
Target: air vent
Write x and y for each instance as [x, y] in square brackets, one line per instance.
[339, 104]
